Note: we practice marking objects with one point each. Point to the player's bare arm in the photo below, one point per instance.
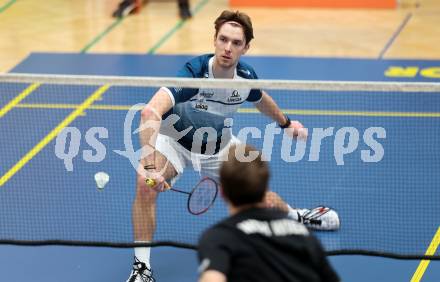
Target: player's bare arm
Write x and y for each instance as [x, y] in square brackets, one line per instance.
[268, 107]
[151, 117]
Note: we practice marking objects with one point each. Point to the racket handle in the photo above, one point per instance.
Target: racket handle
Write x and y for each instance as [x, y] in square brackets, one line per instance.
[151, 183]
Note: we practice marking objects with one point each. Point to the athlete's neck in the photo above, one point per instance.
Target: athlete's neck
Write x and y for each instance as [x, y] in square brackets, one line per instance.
[221, 72]
[236, 209]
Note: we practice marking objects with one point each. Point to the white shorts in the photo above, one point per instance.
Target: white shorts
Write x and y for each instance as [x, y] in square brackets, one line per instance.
[180, 157]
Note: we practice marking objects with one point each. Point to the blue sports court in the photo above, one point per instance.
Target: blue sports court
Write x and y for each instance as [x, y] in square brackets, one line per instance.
[388, 205]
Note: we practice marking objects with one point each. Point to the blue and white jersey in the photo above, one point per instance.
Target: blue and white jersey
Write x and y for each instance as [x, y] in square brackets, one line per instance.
[201, 108]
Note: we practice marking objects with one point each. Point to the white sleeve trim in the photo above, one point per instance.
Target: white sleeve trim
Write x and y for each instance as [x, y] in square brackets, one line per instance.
[167, 90]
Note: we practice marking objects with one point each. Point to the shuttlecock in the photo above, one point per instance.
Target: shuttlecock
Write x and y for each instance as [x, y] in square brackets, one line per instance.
[101, 179]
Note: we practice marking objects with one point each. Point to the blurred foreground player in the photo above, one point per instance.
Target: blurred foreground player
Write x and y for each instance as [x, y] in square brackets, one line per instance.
[257, 243]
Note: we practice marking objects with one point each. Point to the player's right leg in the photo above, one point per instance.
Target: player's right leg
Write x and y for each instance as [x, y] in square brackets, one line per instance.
[144, 207]
[144, 219]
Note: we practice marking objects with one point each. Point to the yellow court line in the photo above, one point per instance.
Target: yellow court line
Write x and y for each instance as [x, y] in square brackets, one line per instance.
[49, 137]
[114, 107]
[429, 252]
[31, 88]
[346, 113]
[47, 106]
[250, 111]
[73, 106]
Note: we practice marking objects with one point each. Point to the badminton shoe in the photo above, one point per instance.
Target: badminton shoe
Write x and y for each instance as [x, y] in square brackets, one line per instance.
[125, 8]
[140, 272]
[319, 218]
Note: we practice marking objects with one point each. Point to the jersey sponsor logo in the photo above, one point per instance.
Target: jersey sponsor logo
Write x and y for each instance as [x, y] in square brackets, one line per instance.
[201, 106]
[279, 227]
[206, 94]
[284, 227]
[252, 226]
[235, 97]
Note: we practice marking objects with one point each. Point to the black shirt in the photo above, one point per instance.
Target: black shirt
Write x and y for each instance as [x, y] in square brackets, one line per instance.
[263, 245]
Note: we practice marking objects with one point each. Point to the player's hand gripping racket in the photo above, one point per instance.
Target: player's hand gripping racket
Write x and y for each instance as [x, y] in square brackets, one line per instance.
[200, 199]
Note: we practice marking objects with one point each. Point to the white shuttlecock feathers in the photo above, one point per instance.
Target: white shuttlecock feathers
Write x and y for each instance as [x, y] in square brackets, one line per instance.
[101, 179]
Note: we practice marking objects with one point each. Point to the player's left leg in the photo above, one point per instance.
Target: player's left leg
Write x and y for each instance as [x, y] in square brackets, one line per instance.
[318, 218]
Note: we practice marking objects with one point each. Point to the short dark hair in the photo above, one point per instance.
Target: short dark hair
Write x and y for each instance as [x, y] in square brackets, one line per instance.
[241, 18]
[244, 182]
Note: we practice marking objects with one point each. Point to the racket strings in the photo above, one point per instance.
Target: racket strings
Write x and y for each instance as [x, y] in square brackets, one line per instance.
[203, 196]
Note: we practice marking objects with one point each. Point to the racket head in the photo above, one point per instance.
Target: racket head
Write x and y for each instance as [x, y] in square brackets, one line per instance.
[203, 196]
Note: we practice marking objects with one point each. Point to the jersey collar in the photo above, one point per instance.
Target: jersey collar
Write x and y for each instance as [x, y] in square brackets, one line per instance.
[210, 68]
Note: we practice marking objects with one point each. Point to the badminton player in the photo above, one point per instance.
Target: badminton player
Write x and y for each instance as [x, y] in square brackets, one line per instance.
[180, 144]
[256, 243]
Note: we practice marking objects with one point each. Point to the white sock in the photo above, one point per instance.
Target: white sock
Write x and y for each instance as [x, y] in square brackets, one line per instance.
[293, 213]
[143, 254]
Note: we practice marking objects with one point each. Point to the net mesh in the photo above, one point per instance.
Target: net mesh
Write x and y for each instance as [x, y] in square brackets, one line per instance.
[372, 154]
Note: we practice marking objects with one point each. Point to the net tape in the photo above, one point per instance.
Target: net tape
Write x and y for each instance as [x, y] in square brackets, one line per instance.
[300, 85]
